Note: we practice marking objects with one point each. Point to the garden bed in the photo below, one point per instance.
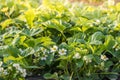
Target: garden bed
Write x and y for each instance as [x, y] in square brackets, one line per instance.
[59, 40]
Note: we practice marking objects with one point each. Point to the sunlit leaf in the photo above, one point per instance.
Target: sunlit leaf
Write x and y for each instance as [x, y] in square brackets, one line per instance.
[51, 76]
[30, 15]
[96, 38]
[6, 23]
[109, 42]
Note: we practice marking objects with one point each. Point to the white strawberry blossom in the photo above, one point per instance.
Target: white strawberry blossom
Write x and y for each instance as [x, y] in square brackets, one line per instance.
[20, 70]
[23, 73]
[103, 57]
[54, 49]
[37, 54]
[62, 51]
[86, 59]
[98, 21]
[43, 50]
[77, 56]
[5, 72]
[44, 57]
[17, 66]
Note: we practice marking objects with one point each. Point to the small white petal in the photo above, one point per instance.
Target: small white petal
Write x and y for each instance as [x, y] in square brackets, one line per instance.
[54, 49]
[1, 69]
[5, 72]
[62, 51]
[77, 56]
[1, 63]
[103, 57]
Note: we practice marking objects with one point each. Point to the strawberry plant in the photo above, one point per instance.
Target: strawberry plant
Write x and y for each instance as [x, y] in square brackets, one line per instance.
[59, 40]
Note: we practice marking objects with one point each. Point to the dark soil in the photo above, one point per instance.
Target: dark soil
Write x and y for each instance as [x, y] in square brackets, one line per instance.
[118, 78]
[41, 78]
[35, 78]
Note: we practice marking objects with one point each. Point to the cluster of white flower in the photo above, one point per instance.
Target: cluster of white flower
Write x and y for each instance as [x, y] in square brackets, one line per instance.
[77, 56]
[104, 57]
[44, 57]
[60, 51]
[43, 50]
[53, 50]
[37, 54]
[2, 70]
[20, 70]
[87, 59]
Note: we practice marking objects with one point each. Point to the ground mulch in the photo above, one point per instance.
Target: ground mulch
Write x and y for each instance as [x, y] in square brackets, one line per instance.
[35, 78]
[41, 78]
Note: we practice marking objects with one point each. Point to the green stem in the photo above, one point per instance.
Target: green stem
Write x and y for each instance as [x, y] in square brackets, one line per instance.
[66, 69]
[71, 76]
[63, 35]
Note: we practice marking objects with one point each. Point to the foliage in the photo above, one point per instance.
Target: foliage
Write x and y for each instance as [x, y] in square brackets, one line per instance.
[57, 40]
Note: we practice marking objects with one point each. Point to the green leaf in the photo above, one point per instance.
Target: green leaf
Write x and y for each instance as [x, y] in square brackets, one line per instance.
[100, 50]
[22, 39]
[30, 42]
[46, 41]
[51, 76]
[96, 38]
[32, 32]
[65, 77]
[97, 59]
[84, 28]
[117, 28]
[62, 64]
[79, 64]
[112, 77]
[30, 15]
[109, 42]
[5, 23]
[16, 40]
[108, 64]
[115, 54]
[3, 50]
[50, 59]
[13, 51]
[32, 67]
[76, 29]
[118, 39]
[36, 31]
[89, 56]
[6, 59]
[56, 24]
[28, 51]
